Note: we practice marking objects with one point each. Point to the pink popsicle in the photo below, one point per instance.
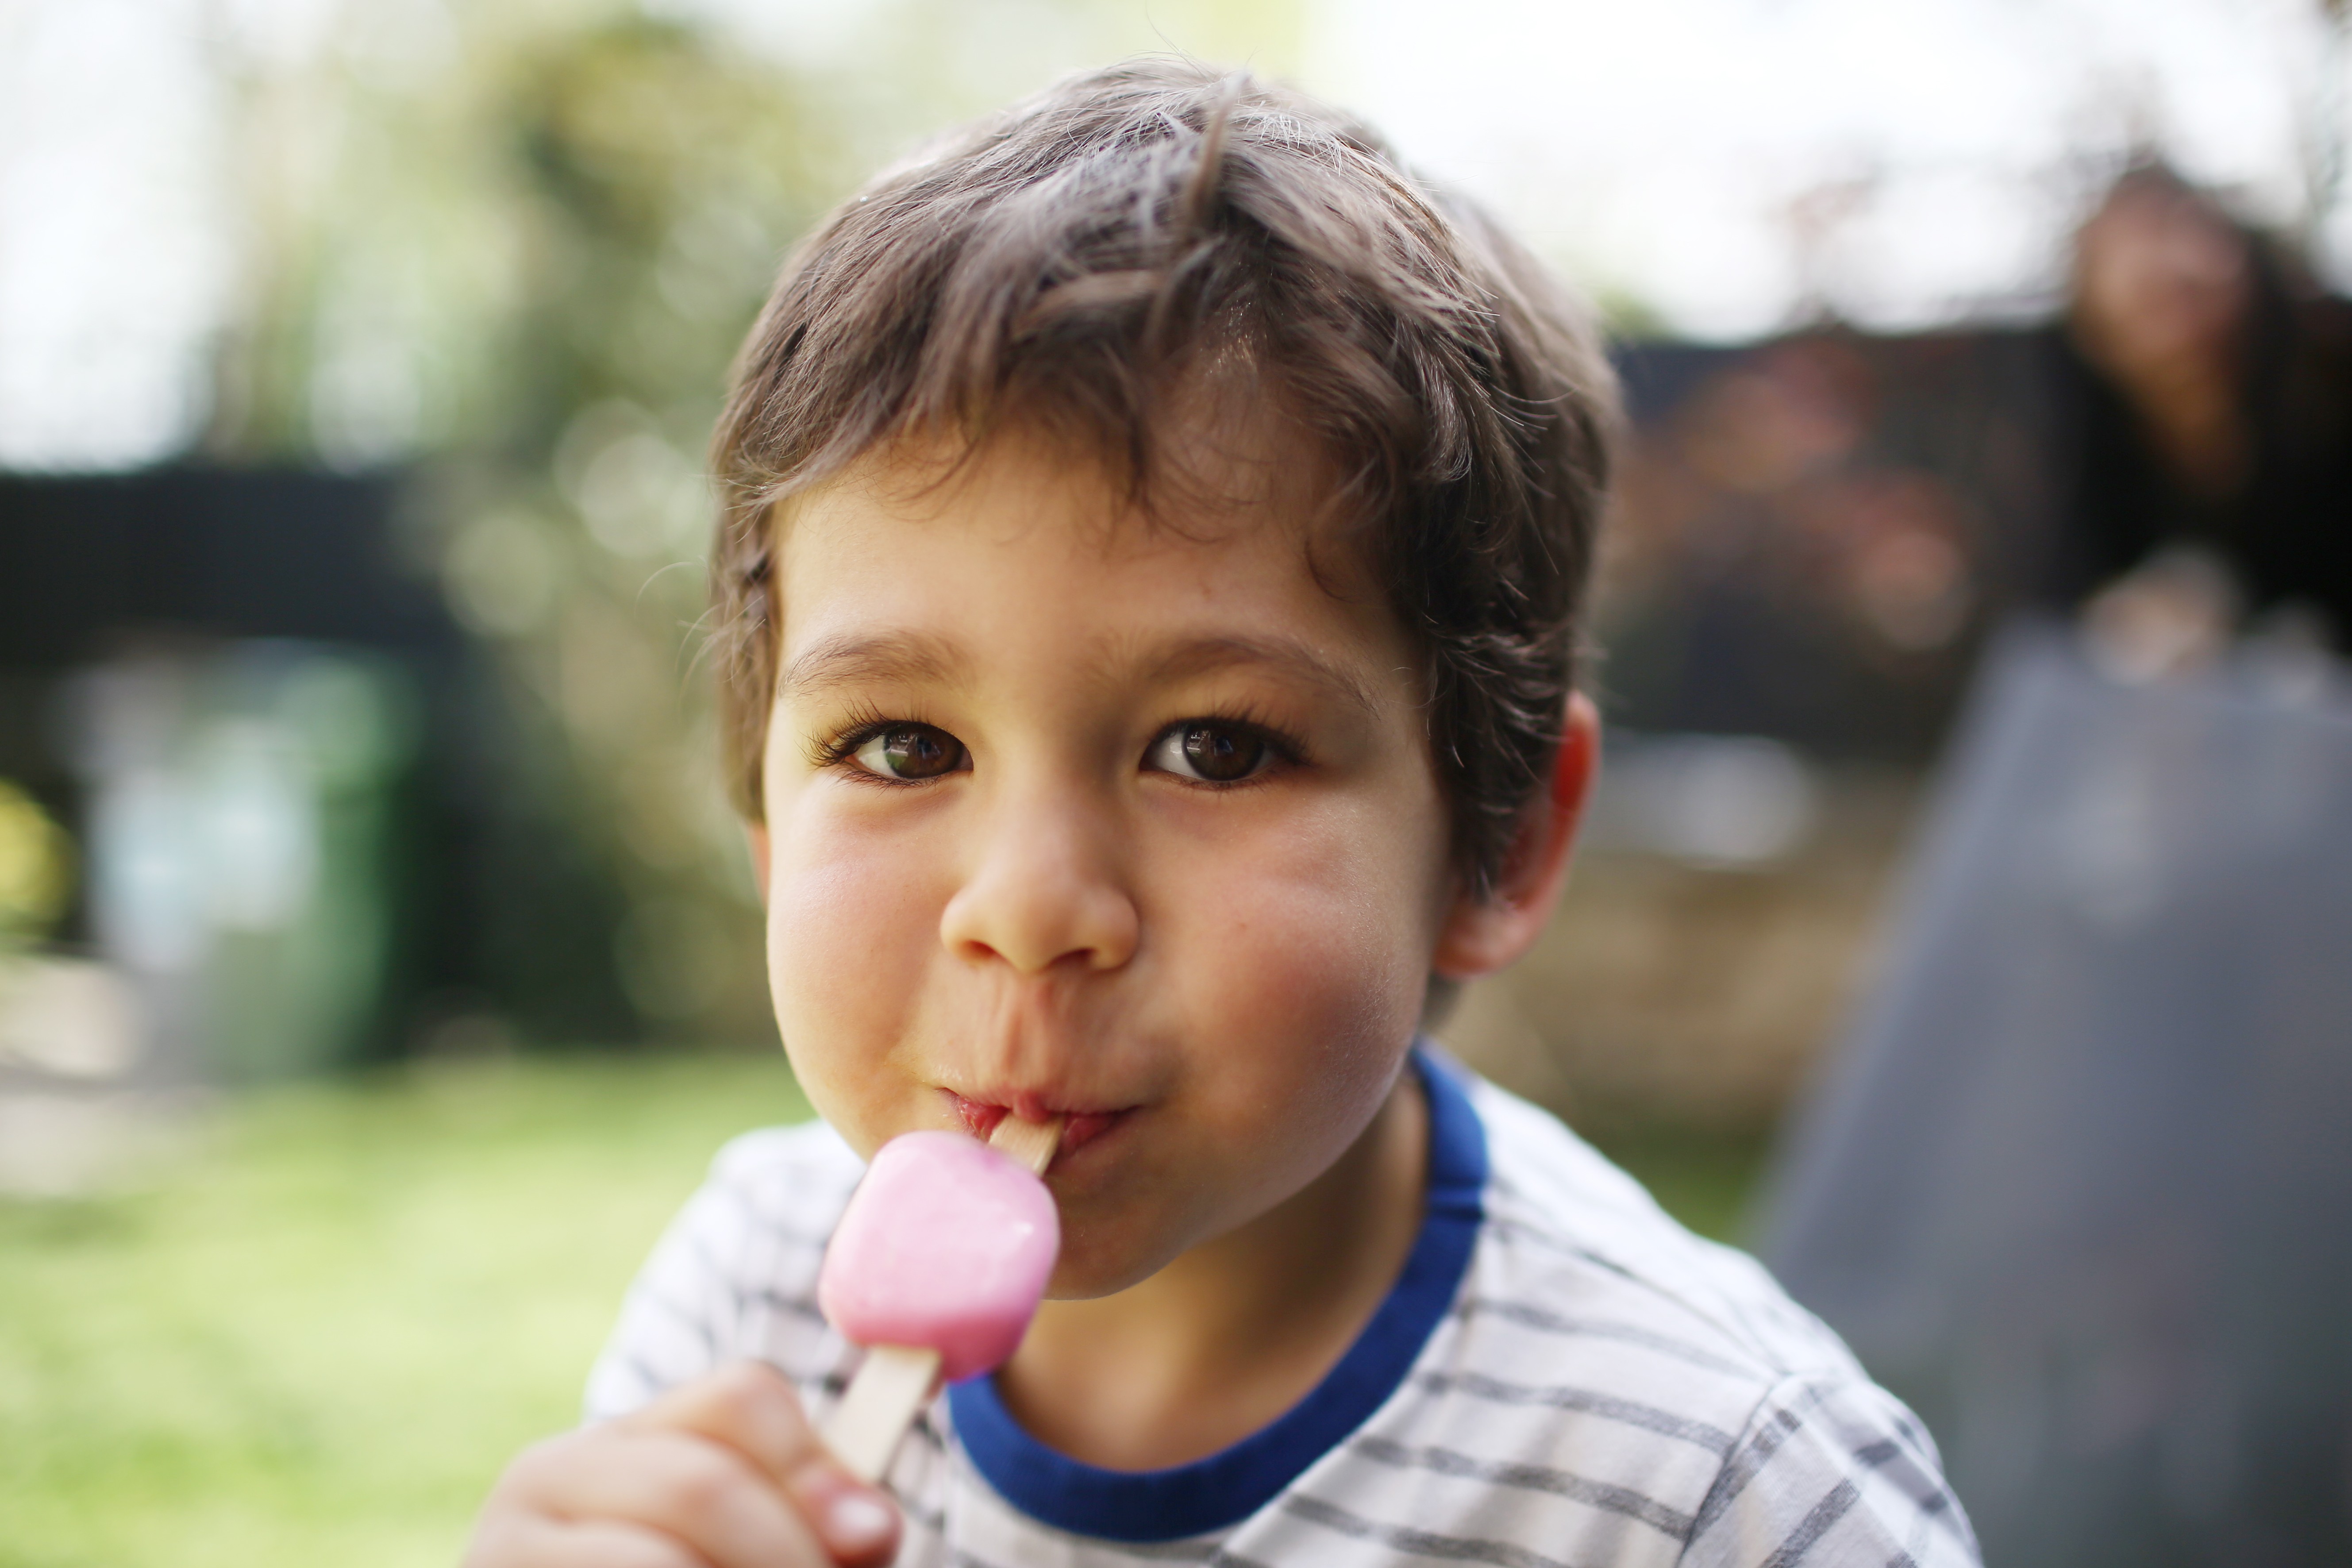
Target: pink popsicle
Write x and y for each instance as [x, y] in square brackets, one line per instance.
[936, 1265]
[945, 1244]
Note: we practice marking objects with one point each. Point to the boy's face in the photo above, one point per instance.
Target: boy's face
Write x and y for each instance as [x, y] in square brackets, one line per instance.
[1068, 813]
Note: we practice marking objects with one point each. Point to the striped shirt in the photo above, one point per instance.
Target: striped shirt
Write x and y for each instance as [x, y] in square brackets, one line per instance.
[1562, 1376]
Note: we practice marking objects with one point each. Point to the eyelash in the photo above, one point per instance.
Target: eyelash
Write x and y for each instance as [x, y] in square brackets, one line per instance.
[1288, 748]
[866, 721]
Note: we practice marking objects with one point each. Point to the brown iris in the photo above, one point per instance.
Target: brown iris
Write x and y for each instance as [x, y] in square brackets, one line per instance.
[913, 751]
[1221, 753]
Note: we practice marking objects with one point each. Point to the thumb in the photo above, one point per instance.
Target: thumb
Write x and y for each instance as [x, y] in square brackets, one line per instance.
[750, 1407]
[858, 1524]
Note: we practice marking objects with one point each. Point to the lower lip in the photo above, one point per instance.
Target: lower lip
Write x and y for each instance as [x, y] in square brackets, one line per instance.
[1078, 1128]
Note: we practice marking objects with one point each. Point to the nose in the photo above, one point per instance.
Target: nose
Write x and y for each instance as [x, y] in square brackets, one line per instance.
[1047, 892]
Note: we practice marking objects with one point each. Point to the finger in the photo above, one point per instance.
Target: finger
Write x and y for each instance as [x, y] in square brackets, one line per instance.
[751, 1408]
[858, 1524]
[534, 1540]
[704, 1494]
[748, 1405]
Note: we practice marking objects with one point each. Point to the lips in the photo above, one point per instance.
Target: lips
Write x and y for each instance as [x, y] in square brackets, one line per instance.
[1079, 1128]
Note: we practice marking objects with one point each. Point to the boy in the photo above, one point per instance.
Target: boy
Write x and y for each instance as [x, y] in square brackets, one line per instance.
[1148, 599]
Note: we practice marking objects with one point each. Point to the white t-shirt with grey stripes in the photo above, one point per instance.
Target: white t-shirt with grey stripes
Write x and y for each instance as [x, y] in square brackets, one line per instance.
[1563, 1375]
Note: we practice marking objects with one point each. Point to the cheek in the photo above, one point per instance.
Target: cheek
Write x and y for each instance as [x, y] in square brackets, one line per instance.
[1315, 949]
[1328, 972]
[848, 930]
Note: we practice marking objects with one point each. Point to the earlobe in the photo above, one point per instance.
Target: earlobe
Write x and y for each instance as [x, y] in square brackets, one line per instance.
[756, 834]
[1481, 936]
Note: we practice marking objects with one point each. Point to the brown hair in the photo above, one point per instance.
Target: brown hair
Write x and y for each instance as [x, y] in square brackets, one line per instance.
[1071, 261]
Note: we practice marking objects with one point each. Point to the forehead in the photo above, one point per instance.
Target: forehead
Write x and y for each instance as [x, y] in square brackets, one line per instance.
[1026, 546]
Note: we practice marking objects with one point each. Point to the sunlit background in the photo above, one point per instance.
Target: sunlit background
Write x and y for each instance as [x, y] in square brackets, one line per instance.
[378, 959]
[270, 227]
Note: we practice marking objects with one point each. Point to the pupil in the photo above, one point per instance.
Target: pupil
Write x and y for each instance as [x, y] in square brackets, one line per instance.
[1223, 755]
[917, 754]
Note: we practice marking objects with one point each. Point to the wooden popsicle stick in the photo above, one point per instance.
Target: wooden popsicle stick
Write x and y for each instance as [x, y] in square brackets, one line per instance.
[894, 1382]
[1031, 1144]
[891, 1385]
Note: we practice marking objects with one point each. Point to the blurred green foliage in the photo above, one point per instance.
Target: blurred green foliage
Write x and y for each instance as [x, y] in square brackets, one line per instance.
[36, 868]
[317, 1336]
[513, 245]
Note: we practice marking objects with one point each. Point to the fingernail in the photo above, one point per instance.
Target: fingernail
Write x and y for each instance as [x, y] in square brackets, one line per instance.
[854, 1521]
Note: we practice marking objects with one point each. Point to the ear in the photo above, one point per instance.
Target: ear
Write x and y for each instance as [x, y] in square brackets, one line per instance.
[757, 834]
[1482, 935]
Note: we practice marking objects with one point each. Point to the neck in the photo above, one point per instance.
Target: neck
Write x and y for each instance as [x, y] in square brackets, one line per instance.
[1235, 1332]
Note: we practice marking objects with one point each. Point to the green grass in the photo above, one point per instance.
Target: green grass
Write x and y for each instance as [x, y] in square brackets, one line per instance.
[316, 1338]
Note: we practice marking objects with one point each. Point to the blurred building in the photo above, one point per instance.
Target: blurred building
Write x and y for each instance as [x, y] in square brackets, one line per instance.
[1811, 538]
[287, 785]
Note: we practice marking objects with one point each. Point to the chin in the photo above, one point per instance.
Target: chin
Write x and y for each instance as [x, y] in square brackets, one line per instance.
[1084, 1274]
[1095, 1265]
[1061, 1288]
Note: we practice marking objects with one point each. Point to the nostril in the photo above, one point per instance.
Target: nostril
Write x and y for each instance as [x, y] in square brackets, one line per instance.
[1037, 919]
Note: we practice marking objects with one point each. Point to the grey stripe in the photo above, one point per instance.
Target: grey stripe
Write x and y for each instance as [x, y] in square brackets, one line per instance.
[773, 1226]
[1814, 1526]
[1193, 1551]
[1533, 1317]
[1921, 1487]
[699, 1247]
[1543, 1237]
[1760, 1336]
[1560, 1246]
[1533, 1478]
[1609, 1406]
[676, 1314]
[1743, 1468]
[794, 1306]
[649, 1381]
[1420, 1543]
[1758, 1344]
[923, 1428]
[933, 1519]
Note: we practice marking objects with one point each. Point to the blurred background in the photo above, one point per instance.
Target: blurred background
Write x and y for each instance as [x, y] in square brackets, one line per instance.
[378, 959]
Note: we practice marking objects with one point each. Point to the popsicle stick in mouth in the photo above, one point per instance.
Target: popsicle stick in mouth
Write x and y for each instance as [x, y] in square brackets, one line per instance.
[895, 1381]
[1030, 1144]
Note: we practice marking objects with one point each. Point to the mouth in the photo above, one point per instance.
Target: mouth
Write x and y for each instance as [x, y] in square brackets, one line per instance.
[1080, 1127]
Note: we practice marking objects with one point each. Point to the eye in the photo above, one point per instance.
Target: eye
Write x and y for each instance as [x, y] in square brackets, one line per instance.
[910, 751]
[1210, 752]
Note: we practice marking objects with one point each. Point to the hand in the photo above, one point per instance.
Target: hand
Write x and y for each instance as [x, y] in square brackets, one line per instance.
[723, 1472]
[2173, 614]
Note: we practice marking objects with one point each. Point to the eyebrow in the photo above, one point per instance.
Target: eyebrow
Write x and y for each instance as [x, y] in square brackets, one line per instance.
[912, 659]
[915, 658]
[1207, 656]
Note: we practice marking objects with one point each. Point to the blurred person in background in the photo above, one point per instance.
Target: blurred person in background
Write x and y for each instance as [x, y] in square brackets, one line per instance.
[2207, 434]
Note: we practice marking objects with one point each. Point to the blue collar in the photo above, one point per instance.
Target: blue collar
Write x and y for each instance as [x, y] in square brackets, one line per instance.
[1234, 1483]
